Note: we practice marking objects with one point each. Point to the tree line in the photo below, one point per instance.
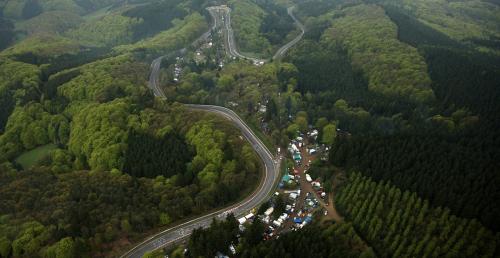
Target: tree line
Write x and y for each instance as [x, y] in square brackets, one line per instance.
[317, 240]
[400, 224]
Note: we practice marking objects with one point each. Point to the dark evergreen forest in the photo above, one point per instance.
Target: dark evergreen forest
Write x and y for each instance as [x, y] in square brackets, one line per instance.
[149, 156]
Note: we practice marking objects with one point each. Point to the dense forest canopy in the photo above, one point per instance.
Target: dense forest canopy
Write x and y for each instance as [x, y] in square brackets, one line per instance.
[122, 163]
[405, 95]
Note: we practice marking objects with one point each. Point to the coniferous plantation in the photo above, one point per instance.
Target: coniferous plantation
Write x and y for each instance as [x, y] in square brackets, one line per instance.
[402, 96]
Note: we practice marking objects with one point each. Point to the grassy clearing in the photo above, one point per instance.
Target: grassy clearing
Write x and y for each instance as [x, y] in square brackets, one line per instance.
[29, 158]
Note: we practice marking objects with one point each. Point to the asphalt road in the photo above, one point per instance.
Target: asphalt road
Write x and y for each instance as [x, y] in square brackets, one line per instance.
[271, 173]
[294, 41]
[266, 186]
[270, 163]
[222, 17]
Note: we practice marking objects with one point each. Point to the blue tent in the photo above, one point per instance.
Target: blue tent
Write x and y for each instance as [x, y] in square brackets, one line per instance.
[308, 219]
[297, 220]
[285, 178]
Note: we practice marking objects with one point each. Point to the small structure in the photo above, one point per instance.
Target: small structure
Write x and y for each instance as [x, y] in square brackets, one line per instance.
[285, 178]
[242, 220]
[308, 178]
[269, 211]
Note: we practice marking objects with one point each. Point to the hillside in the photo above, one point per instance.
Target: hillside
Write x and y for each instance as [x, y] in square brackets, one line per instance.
[379, 123]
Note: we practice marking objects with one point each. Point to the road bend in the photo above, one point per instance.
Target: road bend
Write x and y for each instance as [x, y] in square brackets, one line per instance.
[221, 17]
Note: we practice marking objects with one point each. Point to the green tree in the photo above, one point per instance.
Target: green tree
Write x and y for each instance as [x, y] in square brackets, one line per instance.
[5, 247]
[329, 134]
[63, 248]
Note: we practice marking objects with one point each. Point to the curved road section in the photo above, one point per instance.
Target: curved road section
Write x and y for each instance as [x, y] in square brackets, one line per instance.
[271, 172]
[294, 41]
[221, 16]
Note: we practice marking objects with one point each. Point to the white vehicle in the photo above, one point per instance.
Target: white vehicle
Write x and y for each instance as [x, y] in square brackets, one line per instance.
[269, 211]
[308, 178]
[242, 220]
[249, 216]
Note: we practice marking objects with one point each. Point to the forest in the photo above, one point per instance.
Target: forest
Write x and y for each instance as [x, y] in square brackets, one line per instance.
[260, 26]
[122, 163]
[404, 94]
[321, 240]
[81, 219]
[398, 223]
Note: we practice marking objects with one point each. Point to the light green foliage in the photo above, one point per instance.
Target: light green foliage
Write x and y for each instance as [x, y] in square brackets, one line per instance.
[58, 160]
[51, 22]
[208, 143]
[460, 20]
[31, 126]
[393, 68]
[293, 131]
[65, 248]
[246, 19]
[251, 82]
[12, 72]
[19, 78]
[321, 123]
[30, 158]
[61, 5]
[154, 254]
[43, 45]
[99, 133]
[5, 246]
[109, 30]
[165, 219]
[225, 83]
[344, 112]
[74, 7]
[181, 34]
[106, 80]
[13, 9]
[30, 238]
[301, 121]
[329, 134]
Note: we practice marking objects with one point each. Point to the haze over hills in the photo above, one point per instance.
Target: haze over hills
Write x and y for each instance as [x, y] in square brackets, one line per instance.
[302, 128]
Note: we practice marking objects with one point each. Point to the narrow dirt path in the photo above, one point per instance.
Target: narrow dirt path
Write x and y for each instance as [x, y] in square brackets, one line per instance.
[332, 210]
[307, 187]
